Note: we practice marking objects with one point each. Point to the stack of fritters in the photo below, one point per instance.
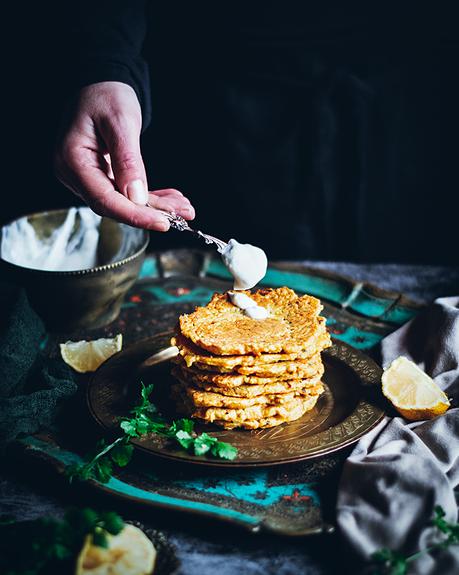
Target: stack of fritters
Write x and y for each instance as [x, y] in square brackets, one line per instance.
[241, 372]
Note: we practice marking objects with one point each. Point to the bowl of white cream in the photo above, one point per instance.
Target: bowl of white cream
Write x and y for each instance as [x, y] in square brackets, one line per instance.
[75, 266]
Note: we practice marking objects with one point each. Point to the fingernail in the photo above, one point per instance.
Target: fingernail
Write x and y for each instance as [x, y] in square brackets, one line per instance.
[163, 225]
[186, 211]
[137, 192]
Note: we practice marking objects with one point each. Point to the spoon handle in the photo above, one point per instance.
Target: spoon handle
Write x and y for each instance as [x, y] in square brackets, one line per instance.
[180, 224]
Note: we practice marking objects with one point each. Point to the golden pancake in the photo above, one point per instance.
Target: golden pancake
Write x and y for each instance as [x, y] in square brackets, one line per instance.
[206, 399]
[267, 364]
[313, 386]
[231, 421]
[224, 329]
[215, 397]
[268, 421]
[229, 380]
[292, 368]
[238, 415]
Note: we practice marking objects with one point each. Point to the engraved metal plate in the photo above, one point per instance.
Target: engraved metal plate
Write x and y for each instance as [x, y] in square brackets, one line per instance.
[347, 410]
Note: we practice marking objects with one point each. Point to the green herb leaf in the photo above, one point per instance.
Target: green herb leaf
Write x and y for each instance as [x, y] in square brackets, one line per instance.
[61, 552]
[224, 450]
[451, 530]
[47, 545]
[184, 438]
[393, 563]
[146, 419]
[121, 454]
[182, 425]
[82, 520]
[147, 390]
[129, 427]
[100, 539]
[79, 472]
[145, 406]
[111, 522]
[103, 470]
[203, 443]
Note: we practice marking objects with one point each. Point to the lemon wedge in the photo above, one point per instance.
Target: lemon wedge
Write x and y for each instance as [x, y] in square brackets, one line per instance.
[128, 553]
[412, 392]
[86, 356]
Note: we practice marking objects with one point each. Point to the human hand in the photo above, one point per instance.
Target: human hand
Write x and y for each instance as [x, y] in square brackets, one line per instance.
[99, 159]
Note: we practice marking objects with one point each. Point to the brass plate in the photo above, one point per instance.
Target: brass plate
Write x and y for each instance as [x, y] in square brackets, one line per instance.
[347, 410]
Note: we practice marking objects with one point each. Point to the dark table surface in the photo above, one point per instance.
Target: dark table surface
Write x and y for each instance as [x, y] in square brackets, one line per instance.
[28, 492]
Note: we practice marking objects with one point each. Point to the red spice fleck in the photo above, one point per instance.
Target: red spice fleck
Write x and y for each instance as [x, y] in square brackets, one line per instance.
[336, 330]
[296, 497]
[180, 291]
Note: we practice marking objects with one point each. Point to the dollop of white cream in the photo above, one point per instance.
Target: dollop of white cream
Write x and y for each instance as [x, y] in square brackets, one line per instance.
[246, 263]
[241, 300]
[256, 312]
[248, 305]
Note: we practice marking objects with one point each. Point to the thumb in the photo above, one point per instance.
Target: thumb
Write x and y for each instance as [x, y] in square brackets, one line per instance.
[123, 144]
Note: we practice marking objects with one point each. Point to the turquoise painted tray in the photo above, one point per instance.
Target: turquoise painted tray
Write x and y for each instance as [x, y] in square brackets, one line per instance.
[294, 499]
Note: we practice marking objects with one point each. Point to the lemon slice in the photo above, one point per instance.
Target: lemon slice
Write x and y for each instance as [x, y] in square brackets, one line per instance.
[128, 553]
[86, 356]
[412, 392]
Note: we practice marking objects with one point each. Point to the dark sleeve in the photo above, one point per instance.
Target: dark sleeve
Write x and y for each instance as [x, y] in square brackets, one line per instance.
[105, 44]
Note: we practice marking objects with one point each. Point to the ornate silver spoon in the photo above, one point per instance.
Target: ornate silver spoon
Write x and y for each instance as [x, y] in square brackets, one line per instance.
[180, 224]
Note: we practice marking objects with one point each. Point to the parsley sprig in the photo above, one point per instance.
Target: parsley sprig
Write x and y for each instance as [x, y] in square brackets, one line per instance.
[389, 562]
[100, 462]
[46, 545]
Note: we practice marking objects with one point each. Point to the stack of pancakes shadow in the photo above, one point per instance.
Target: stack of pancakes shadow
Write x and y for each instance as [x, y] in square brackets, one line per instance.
[235, 371]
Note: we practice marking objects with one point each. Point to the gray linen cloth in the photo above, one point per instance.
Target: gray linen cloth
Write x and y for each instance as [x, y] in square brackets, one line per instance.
[400, 471]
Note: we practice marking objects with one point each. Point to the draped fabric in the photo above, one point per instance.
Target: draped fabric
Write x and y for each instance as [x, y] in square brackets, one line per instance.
[401, 470]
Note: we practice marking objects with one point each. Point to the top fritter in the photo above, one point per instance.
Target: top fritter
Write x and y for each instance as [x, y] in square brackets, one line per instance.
[222, 328]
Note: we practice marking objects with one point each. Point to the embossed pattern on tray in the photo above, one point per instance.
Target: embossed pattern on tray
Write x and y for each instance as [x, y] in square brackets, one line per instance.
[343, 414]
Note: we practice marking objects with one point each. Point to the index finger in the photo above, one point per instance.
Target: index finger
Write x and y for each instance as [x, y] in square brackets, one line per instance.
[86, 178]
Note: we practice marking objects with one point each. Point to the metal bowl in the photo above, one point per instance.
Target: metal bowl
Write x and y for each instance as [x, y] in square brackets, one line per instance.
[89, 298]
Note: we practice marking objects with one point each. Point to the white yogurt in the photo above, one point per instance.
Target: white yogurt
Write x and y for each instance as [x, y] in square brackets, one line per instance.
[256, 312]
[248, 305]
[246, 263]
[241, 300]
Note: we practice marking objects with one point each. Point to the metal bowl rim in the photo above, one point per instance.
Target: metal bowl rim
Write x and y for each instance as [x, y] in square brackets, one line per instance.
[88, 271]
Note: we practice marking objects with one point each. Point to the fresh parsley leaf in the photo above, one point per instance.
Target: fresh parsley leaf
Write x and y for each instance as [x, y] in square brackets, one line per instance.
[111, 522]
[121, 454]
[203, 443]
[100, 467]
[61, 552]
[145, 419]
[145, 406]
[391, 562]
[129, 427]
[224, 450]
[451, 530]
[99, 538]
[82, 520]
[79, 472]
[182, 425]
[103, 470]
[185, 439]
[47, 545]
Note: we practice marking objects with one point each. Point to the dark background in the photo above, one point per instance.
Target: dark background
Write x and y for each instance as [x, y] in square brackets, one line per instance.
[324, 132]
